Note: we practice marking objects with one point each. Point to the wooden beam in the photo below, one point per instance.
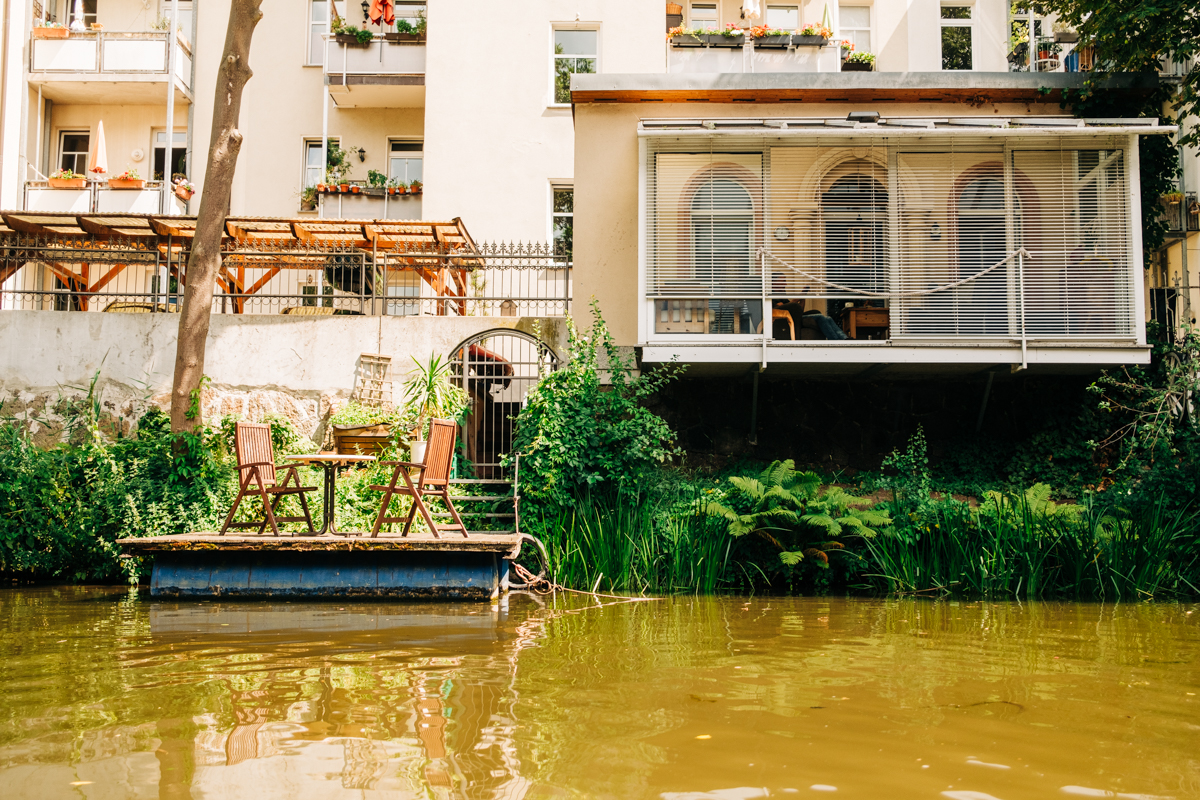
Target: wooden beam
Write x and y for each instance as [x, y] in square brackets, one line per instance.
[236, 232]
[302, 233]
[21, 226]
[261, 282]
[163, 229]
[107, 277]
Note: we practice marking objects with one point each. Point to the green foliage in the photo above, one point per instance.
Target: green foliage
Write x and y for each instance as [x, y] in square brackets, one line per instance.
[576, 435]
[1134, 37]
[355, 413]
[63, 507]
[430, 392]
[788, 509]
[376, 179]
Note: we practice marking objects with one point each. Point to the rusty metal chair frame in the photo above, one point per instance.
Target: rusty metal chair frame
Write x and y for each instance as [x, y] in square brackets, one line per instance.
[256, 463]
[431, 478]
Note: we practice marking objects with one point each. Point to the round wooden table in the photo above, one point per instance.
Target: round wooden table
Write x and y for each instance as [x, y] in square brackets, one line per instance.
[329, 462]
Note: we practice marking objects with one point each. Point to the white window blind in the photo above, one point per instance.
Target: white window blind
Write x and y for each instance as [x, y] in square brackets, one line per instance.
[962, 238]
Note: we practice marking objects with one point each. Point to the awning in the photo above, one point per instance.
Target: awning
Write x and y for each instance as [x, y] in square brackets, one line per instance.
[903, 127]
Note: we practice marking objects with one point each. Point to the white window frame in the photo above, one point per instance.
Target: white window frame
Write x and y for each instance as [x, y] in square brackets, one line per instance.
[570, 26]
[65, 132]
[309, 141]
[176, 143]
[410, 154]
[560, 186]
[717, 3]
[312, 59]
[968, 23]
[799, 13]
[870, 29]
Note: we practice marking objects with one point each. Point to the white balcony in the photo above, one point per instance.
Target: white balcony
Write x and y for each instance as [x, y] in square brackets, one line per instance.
[369, 206]
[381, 74]
[129, 67]
[98, 198]
[747, 58]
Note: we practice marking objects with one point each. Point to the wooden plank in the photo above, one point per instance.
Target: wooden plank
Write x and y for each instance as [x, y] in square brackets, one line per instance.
[212, 542]
[107, 277]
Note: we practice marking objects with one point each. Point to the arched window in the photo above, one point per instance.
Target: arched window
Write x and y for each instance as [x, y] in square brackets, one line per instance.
[722, 214]
[855, 214]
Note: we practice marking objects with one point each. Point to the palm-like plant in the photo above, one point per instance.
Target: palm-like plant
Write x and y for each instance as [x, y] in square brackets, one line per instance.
[784, 502]
[429, 393]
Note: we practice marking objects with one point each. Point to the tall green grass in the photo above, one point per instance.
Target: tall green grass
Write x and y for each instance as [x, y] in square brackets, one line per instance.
[1019, 550]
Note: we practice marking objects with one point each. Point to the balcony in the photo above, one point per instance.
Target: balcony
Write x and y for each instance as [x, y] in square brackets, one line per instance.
[129, 67]
[375, 205]
[693, 56]
[384, 73]
[98, 198]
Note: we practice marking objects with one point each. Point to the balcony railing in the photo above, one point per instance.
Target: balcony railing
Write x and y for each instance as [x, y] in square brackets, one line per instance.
[112, 55]
[97, 198]
[383, 72]
[692, 55]
[376, 205]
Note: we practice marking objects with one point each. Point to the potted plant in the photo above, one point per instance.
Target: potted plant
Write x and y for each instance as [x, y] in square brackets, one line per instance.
[408, 33]
[859, 61]
[350, 35]
[308, 198]
[129, 179]
[355, 188]
[1064, 33]
[183, 188]
[429, 393]
[363, 430]
[415, 187]
[51, 30]
[812, 36]
[376, 183]
[766, 37]
[674, 15]
[732, 36]
[67, 179]
[1173, 198]
[685, 37]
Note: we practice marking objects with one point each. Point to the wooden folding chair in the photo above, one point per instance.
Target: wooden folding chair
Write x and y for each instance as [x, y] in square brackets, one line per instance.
[256, 464]
[430, 478]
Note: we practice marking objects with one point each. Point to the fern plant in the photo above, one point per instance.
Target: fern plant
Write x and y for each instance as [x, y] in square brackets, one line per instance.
[788, 508]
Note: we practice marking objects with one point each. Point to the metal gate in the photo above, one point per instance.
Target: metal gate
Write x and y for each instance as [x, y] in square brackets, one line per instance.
[497, 368]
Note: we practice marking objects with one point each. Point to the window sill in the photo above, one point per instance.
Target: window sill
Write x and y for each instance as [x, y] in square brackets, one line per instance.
[558, 109]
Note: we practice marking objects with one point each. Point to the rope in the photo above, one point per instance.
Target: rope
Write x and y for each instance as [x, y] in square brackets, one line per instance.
[893, 295]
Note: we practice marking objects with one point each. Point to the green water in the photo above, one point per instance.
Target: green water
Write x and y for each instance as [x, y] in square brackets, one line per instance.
[110, 695]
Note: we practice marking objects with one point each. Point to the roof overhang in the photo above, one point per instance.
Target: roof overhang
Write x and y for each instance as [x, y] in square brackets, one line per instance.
[901, 127]
[973, 88]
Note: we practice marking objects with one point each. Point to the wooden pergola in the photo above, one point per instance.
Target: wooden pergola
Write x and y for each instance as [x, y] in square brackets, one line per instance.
[87, 251]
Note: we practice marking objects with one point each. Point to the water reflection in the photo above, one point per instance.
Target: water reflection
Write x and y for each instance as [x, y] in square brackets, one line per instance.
[108, 695]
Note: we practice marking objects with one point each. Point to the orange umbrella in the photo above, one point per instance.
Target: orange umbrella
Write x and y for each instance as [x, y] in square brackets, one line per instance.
[383, 11]
[99, 163]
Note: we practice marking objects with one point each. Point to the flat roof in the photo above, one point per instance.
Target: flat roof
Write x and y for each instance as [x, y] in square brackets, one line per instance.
[901, 126]
[773, 87]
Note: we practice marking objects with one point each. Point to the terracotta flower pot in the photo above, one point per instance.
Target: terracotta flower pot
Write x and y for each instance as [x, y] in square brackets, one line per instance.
[320, 187]
[355, 189]
[68, 183]
[343, 187]
[126, 183]
[184, 194]
[51, 33]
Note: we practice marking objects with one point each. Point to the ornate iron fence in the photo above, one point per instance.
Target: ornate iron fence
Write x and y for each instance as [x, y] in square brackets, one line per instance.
[316, 278]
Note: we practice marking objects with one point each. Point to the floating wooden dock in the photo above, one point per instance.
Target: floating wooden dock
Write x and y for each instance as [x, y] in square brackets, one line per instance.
[195, 565]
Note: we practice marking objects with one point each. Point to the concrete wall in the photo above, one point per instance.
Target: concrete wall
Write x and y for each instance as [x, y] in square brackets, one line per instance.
[258, 364]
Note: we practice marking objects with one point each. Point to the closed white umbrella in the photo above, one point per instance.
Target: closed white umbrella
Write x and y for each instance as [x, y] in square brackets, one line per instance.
[99, 164]
[751, 9]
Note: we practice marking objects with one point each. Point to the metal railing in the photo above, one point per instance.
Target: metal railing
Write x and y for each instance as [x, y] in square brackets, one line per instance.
[95, 197]
[109, 52]
[56, 273]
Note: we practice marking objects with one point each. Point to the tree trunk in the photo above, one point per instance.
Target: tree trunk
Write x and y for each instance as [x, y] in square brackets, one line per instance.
[205, 260]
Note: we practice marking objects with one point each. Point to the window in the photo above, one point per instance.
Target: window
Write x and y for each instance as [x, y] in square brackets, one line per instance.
[403, 292]
[982, 239]
[855, 22]
[405, 161]
[855, 215]
[784, 18]
[562, 219]
[575, 53]
[410, 14]
[318, 14]
[703, 15]
[185, 16]
[722, 237]
[74, 149]
[89, 12]
[314, 171]
[178, 154]
[956, 38]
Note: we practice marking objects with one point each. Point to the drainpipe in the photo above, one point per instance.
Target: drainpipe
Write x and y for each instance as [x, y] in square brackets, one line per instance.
[1183, 243]
[191, 118]
[325, 113]
[5, 66]
[172, 44]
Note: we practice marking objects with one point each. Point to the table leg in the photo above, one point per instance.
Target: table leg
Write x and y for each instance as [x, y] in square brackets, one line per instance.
[327, 499]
